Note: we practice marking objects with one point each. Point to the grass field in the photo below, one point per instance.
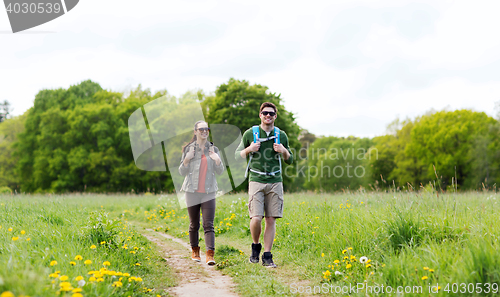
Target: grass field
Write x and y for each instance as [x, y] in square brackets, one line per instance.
[325, 244]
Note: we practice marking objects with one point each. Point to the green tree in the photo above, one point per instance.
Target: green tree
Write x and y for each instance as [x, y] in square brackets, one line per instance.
[338, 164]
[9, 130]
[237, 103]
[77, 140]
[443, 140]
[4, 110]
[381, 160]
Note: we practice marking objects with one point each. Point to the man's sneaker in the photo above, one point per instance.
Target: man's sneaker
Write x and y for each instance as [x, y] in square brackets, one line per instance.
[267, 260]
[254, 258]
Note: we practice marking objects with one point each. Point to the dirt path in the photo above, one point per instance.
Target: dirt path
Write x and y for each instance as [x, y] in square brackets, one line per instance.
[195, 279]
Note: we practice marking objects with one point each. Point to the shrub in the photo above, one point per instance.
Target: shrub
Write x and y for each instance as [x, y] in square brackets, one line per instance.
[5, 190]
[100, 228]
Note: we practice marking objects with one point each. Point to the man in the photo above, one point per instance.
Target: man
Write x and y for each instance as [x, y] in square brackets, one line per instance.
[265, 188]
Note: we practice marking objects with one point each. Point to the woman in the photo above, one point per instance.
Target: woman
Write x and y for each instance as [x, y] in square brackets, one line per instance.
[199, 163]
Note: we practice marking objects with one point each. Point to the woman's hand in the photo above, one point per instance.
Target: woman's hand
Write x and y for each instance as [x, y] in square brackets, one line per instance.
[213, 155]
[189, 156]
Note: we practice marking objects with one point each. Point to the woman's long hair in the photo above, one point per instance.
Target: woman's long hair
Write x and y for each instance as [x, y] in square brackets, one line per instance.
[194, 136]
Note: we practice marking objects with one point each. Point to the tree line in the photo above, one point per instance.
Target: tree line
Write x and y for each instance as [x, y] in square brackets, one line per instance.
[77, 140]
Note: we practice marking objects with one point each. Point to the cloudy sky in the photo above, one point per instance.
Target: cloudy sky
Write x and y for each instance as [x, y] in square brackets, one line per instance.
[343, 67]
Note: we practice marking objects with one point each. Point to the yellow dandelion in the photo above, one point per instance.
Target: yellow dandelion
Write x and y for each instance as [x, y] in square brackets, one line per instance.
[53, 263]
[72, 263]
[77, 290]
[23, 232]
[348, 266]
[424, 277]
[92, 279]
[10, 229]
[100, 280]
[64, 278]
[87, 262]
[350, 248]
[106, 263]
[7, 294]
[126, 274]
[28, 239]
[78, 258]
[344, 251]
[93, 247]
[336, 261]
[15, 238]
[65, 286]
[431, 270]
[79, 278]
[137, 264]
[77, 295]
[322, 254]
[426, 268]
[117, 284]
[368, 265]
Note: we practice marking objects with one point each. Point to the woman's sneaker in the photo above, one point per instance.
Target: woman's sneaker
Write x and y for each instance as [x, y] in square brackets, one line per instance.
[267, 260]
[254, 258]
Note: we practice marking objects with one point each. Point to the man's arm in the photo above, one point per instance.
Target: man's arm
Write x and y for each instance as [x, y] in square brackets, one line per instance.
[246, 146]
[287, 153]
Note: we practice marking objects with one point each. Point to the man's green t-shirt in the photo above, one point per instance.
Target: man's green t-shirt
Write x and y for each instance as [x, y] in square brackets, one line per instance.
[266, 159]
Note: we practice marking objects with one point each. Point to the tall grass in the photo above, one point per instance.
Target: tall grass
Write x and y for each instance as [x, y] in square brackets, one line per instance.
[48, 246]
[410, 239]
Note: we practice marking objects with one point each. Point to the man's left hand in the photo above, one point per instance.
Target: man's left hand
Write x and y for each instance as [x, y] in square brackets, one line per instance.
[279, 148]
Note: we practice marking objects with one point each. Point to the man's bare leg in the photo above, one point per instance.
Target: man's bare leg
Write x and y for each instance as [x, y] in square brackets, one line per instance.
[269, 233]
[256, 228]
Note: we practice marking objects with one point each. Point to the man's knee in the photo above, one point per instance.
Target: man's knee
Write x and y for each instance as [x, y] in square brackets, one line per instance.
[257, 219]
[270, 220]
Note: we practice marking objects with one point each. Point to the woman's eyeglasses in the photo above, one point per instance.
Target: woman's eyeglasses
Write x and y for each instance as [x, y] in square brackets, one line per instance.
[271, 113]
[203, 129]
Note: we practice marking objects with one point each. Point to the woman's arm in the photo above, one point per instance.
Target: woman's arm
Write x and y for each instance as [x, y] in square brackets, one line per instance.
[186, 158]
[214, 155]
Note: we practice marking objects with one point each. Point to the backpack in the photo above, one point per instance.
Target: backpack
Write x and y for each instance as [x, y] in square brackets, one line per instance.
[256, 138]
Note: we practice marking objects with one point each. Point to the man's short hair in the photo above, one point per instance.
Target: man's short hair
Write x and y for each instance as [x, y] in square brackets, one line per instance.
[268, 104]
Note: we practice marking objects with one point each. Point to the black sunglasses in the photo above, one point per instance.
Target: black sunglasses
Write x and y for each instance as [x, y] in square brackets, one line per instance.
[271, 113]
[203, 129]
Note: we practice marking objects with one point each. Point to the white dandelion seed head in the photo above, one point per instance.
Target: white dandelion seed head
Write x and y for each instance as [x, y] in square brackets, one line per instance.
[338, 273]
[81, 283]
[363, 260]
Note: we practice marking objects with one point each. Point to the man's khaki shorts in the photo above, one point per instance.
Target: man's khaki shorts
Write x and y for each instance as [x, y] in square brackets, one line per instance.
[265, 200]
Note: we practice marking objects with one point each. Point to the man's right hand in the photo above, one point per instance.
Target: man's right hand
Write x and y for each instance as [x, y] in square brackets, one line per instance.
[254, 147]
